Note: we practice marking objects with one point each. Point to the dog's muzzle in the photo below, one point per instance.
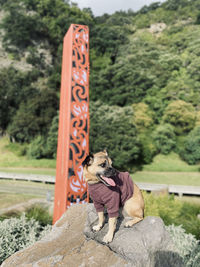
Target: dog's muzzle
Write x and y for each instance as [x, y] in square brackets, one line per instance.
[107, 176]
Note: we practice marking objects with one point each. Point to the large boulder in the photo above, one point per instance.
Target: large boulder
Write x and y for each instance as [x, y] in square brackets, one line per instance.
[146, 244]
[66, 246]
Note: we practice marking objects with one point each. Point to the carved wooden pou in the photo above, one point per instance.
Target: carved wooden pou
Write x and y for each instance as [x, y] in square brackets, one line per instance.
[73, 134]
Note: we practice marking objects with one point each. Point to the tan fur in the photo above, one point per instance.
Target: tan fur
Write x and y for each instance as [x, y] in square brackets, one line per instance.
[133, 207]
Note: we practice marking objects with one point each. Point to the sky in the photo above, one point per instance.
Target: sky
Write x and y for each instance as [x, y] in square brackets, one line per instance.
[99, 7]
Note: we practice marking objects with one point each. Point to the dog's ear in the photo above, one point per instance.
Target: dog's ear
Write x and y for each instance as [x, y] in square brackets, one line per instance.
[105, 151]
[88, 160]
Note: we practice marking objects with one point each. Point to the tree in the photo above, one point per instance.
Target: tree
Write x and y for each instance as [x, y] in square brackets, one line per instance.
[164, 138]
[181, 115]
[111, 128]
[52, 138]
[15, 87]
[142, 116]
[34, 117]
[191, 150]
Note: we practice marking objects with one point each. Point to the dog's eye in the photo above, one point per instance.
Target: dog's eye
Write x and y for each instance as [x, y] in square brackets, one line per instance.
[103, 165]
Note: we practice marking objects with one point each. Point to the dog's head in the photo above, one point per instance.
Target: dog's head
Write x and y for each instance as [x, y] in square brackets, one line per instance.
[98, 168]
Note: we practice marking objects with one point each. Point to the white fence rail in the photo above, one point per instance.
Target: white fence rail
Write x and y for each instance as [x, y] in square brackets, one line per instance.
[175, 189]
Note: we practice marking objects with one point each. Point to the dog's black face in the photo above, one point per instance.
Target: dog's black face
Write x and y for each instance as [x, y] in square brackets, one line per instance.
[109, 172]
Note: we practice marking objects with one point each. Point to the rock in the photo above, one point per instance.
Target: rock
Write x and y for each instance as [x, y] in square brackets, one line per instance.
[65, 246]
[157, 28]
[146, 244]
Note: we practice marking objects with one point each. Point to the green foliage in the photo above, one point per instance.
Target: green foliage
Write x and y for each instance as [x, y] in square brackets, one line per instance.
[142, 116]
[149, 58]
[181, 115]
[18, 233]
[197, 118]
[173, 211]
[191, 150]
[15, 86]
[40, 214]
[164, 138]
[36, 149]
[17, 149]
[198, 19]
[34, 116]
[111, 128]
[148, 147]
[52, 138]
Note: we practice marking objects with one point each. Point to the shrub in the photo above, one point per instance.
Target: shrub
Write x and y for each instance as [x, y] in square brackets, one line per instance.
[174, 211]
[191, 150]
[36, 149]
[39, 214]
[164, 138]
[186, 245]
[18, 233]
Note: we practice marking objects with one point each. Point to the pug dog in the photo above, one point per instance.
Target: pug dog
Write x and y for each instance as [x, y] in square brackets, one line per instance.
[111, 189]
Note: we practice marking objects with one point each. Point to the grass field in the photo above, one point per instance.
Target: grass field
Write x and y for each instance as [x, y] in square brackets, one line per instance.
[173, 178]
[13, 192]
[170, 163]
[169, 169]
[165, 169]
[9, 199]
[29, 170]
[12, 161]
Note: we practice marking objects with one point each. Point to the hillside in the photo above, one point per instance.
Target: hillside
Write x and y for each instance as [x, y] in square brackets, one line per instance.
[144, 74]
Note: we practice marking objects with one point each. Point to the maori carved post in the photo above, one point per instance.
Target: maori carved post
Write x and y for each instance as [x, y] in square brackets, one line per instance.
[73, 135]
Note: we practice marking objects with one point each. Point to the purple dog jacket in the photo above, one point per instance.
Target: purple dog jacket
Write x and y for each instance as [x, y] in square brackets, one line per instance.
[112, 197]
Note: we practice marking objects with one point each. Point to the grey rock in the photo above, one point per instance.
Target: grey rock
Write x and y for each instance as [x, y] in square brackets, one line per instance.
[147, 244]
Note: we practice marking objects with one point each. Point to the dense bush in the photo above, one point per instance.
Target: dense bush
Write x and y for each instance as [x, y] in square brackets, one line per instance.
[18, 233]
[37, 148]
[164, 138]
[191, 149]
[173, 211]
[40, 214]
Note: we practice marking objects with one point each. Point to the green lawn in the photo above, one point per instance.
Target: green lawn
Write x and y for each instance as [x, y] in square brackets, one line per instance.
[175, 178]
[170, 163]
[44, 171]
[11, 161]
[9, 199]
[165, 169]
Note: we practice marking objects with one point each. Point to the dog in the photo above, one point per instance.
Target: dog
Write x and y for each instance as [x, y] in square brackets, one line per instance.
[113, 189]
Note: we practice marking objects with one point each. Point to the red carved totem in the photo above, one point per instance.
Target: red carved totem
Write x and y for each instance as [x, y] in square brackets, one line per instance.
[73, 134]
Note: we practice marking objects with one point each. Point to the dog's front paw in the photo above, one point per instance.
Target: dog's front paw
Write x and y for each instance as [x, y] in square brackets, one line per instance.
[97, 227]
[108, 238]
